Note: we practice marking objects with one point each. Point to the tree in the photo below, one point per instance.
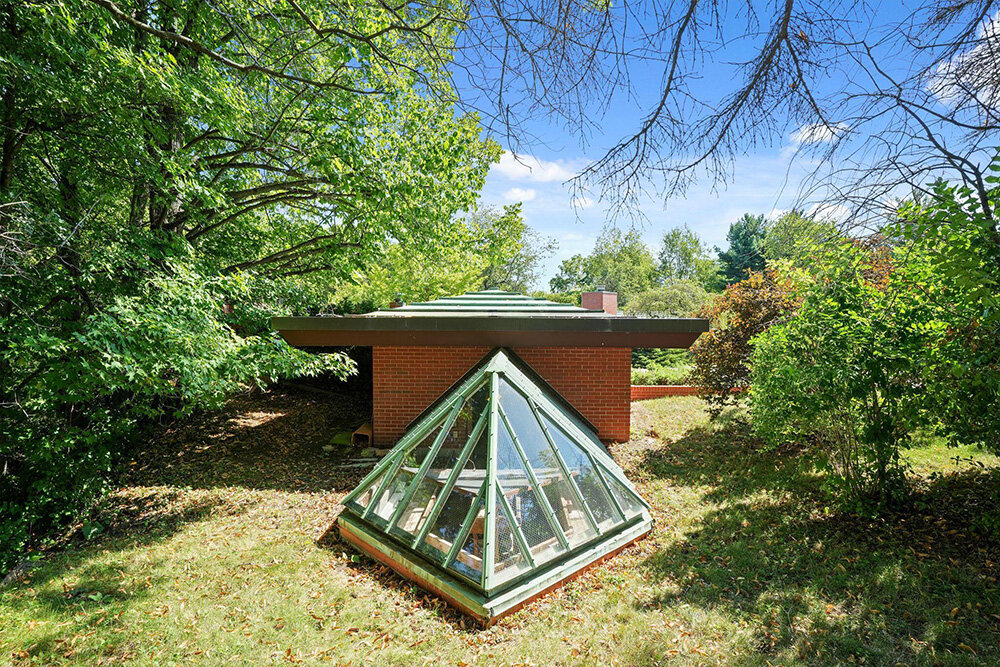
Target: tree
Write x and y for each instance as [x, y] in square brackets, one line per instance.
[795, 237]
[838, 377]
[680, 298]
[621, 262]
[173, 174]
[745, 310]
[746, 248]
[952, 263]
[683, 256]
[897, 99]
[893, 336]
[512, 250]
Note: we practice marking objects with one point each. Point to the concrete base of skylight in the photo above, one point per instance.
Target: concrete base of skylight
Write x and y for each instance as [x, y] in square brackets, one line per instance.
[465, 598]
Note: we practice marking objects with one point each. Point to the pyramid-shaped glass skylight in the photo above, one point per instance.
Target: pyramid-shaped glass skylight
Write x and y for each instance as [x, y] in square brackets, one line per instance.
[496, 493]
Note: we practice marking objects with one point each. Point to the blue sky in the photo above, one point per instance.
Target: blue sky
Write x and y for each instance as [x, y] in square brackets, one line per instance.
[763, 180]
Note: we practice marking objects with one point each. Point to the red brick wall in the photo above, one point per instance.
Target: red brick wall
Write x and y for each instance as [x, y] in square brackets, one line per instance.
[596, 381]
[641, 392]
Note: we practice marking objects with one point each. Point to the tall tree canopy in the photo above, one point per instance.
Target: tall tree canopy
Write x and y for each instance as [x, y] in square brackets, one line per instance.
[621, 262]
[172, 173]
[683, 256]
[746, 248]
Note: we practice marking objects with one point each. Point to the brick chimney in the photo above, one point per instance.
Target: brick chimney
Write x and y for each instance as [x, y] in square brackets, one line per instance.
[600, 300]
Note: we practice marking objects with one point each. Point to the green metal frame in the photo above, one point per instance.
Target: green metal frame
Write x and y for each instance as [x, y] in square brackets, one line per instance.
[451, 481]
[418, 477]
[409, 440]
[550, 513]
[565, 469]
[490, 497]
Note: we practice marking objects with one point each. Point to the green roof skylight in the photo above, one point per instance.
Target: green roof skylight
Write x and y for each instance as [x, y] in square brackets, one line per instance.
[496, 493]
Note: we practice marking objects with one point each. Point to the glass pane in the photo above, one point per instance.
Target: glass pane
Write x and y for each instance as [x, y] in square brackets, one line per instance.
[468, 416]
[420, 506]
[509, 560]
[625, 498]
[469, 561]
[430, 486]
[366, 496]
[397, 486]
[446, 527]
[585, 474]
[546, 466]
[529, 512]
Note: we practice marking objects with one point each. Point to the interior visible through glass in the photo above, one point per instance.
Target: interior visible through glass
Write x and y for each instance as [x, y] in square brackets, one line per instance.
[431, 485]
[469, 560]
[397, 486]
[509, 561]
[546, 466]
[586, 476]
[530, 513]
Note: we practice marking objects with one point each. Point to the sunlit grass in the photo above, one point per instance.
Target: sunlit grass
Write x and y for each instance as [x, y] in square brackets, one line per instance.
[213, 556]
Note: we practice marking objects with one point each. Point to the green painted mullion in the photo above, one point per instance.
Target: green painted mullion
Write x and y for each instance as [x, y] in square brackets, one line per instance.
[549, 512]
[426, 463]
[463, 533]
[489, 536]
[449, 484]
[390, 474]
[607, 489]
[417, 437]
[564, 468]
[522, 542]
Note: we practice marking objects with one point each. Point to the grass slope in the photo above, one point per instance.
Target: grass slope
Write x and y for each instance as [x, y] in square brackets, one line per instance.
[213, 553]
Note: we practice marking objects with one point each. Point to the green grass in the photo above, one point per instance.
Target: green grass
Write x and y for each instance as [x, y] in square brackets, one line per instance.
[215, 551]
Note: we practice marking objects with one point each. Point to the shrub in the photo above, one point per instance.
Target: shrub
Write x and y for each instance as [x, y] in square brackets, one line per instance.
[745, 310]
[840, 377]
[661, 375]
[679, 298]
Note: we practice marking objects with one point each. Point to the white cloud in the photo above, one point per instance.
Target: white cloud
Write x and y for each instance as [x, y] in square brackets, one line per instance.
[970, 77]
[520, 194]
[818, 133]
[582, 203]
[571, 236]
[829, 212]
[531, 168]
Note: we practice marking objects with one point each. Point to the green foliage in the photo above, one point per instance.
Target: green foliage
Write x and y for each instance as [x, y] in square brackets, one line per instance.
[837, 378]
[891, 340]
[158, 204]
[620, 261]
[794, 237]
[652, 357]
[952, 260]
[745, 310]
[488, 250]
[513, 252]
[671, 374]
[680, 298]
[683, 257]
[746, 248]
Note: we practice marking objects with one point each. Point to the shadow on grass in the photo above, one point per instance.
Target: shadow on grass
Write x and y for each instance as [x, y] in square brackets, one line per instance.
[272, 441]
[386, 577]
[813, 584]
[99, 582]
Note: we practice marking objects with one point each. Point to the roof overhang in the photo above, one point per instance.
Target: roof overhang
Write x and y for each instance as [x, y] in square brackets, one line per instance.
[490, 331]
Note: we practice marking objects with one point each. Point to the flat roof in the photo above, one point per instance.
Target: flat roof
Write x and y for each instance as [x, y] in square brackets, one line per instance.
[491, 318]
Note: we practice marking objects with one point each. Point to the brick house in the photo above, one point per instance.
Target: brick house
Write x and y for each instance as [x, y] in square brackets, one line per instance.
[420, 350]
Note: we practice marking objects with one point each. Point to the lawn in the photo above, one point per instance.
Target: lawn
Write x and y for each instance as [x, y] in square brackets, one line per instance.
[215, 550]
